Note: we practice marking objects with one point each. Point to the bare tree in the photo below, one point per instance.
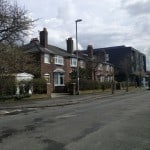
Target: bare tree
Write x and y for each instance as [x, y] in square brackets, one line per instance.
[14, 60]
[93, 62]
[13, 22]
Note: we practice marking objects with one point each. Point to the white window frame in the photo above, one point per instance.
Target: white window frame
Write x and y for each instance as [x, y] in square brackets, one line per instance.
[58, 79]
[59, 60]
[81, 63]
[100, 67]
[111, 68]
[107, 67]
[101, 78]
[73, 62]
[46, 58]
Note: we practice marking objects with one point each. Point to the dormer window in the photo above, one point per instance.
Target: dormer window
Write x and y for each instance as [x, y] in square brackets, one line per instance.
[73, 62]
[59, 60]
[47, 58]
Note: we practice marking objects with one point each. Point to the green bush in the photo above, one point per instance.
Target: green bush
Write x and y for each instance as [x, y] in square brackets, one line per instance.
[84, 84]
[39, 86]
[105, 85]
[89, 85]
[7, 85]
[21, 96]
[5, 97]
[14, 97]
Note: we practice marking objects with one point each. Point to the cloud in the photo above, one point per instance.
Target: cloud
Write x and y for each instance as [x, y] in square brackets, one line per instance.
[66, 10]
[137, 7]
[105, 23]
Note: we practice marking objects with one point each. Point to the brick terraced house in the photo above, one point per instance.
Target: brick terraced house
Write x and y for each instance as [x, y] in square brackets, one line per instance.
[98, 65]
[56, 64]
[127, 61]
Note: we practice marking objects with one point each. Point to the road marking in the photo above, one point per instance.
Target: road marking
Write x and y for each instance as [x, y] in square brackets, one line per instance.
[3, 112]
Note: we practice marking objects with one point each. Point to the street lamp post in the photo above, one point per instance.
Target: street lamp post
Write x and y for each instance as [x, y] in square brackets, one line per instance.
[78, 82]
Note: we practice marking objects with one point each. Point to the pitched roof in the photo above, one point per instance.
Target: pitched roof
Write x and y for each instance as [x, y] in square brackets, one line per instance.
[59, 51]
[34, 46]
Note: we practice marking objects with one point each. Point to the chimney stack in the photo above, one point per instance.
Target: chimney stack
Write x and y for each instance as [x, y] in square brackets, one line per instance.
[90, 51]
[44, 37]
[69, 45]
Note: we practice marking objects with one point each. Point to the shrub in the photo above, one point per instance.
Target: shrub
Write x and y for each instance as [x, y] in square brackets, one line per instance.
[39, 86]
[89, 85]
[21, 96]
[84, 84]
[7, 85]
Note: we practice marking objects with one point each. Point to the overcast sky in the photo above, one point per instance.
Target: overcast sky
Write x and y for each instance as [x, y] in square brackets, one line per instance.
[105, 22]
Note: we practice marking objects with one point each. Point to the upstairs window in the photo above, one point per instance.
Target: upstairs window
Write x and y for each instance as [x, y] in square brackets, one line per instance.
[59, 60]
[100, 67]
[81, 63]
[73, 62]
[107, 67]
[111, 69]
[46, 58]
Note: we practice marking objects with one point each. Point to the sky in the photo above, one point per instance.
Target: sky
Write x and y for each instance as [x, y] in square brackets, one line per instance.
[105, 23]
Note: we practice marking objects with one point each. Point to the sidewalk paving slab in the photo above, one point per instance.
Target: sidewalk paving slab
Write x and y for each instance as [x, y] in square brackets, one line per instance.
[61, 101]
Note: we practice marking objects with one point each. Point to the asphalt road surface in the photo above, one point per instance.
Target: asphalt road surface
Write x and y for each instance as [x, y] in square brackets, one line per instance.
[115, 123]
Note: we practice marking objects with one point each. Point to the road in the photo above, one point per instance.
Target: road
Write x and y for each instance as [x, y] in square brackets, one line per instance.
[120, 122]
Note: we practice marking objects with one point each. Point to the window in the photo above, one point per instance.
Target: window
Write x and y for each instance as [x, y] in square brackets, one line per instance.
[100, 67]
[59, 60]
[106, 57]
[46, 58]
[111, 69]
[59, 79]
[107, 67]
[47, 77]
[73, 62]
[101, 78]
[81, 63]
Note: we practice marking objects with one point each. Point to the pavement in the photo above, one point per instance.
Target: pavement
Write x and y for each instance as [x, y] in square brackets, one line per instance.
[61, 100]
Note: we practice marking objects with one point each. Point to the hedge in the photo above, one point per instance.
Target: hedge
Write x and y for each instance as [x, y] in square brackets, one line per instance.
[39, 86]
[7, 85]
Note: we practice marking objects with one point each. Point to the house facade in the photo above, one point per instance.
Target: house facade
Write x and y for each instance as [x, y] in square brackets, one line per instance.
[55, 64]
[127, 62]
[98, 66]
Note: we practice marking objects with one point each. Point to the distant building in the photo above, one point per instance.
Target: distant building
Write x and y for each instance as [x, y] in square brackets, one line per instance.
[97, 64]
[126, 60]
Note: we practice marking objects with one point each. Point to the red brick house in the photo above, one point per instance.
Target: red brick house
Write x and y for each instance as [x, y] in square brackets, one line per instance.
[97, 65]
[56, 64]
